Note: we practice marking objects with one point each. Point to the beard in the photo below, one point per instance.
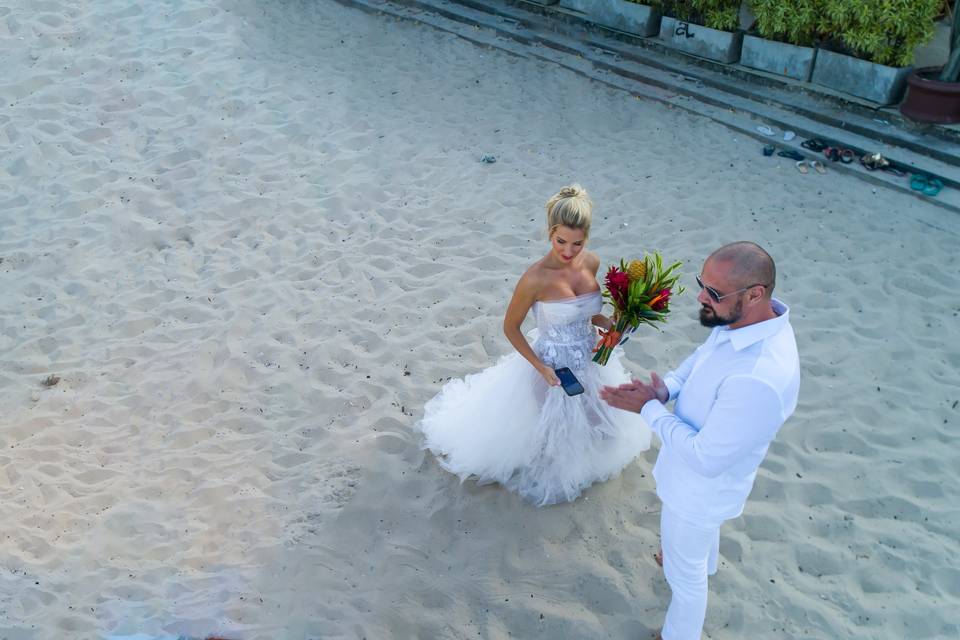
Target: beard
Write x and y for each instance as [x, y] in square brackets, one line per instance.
[710, 318]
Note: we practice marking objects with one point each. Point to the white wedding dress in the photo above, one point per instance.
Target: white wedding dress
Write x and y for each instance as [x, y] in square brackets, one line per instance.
[506, 425]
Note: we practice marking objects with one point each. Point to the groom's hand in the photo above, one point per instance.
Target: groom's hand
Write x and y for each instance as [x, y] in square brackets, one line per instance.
[629, 397]
[663, 394]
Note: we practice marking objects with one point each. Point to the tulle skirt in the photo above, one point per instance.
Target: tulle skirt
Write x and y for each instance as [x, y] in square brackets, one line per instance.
[506, 425]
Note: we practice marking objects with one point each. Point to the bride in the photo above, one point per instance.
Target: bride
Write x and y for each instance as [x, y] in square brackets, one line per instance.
[512, 423]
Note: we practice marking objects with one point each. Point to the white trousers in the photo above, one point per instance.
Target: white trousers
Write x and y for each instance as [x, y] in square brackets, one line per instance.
[690, 551]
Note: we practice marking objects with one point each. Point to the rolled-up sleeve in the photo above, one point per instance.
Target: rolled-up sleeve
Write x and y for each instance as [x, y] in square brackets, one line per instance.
[746, 415]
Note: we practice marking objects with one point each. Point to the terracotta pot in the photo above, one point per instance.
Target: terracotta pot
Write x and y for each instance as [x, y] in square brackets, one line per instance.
[930, 100]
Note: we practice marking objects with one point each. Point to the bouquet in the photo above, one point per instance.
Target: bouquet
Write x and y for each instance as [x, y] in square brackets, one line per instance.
[640, 292]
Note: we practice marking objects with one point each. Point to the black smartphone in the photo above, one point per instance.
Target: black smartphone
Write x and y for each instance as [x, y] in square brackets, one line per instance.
[569, 381]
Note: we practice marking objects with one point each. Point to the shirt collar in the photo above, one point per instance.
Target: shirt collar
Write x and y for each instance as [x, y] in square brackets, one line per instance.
[752, 333]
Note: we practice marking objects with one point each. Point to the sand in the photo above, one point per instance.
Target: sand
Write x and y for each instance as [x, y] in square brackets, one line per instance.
[252, 239]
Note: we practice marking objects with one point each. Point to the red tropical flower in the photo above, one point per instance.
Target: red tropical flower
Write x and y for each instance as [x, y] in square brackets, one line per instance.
[662, 299]
[617, 284]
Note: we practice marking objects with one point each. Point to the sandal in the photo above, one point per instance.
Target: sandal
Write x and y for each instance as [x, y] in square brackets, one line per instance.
[790, 153]
[832, 153]
[769, 149]
[874, 161]
[934, 185]
[847, 156]
[802, 167]
[918, 182]
[818, 166]
[814, 144]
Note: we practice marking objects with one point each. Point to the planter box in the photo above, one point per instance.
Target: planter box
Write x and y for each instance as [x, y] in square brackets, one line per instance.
[778, 57]
[875, 82]
[721, 46]
[621, 15]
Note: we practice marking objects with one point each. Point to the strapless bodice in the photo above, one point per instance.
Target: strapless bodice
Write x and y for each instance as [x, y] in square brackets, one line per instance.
[565, 337]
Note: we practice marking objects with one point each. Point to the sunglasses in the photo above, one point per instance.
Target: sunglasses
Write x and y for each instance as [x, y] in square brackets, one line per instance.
[716, 296]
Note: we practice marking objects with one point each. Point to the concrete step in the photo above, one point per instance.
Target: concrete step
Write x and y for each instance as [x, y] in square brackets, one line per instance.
[494, 23]
[831, 107]
[812, 101]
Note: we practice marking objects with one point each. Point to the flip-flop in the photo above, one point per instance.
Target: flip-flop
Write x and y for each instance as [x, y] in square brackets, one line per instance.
[818, 166]
[934, 185]
[765, 130]
[790, 153]
[918, 182]
[802, 167]
[814, 144]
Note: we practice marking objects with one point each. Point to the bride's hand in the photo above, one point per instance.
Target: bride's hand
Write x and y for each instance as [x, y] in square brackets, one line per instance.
[549, 375]
[602, 321]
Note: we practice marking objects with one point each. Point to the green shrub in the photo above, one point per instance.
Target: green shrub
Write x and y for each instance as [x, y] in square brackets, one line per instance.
[719, 14]
[793, 21]
[882, 31]
[716, 14]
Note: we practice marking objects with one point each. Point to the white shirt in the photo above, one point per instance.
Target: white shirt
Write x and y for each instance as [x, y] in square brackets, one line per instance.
[733, 394]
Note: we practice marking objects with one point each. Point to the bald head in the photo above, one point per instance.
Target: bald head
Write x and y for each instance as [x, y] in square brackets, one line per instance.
[746, 264]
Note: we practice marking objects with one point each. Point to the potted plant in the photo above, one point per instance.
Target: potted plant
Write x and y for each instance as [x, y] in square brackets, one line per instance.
[784, 40]
[705, 28]
[867, 47]
[933, 95]
[623, 15]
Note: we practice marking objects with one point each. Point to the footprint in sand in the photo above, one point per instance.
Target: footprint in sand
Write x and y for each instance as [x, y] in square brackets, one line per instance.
[317, 499]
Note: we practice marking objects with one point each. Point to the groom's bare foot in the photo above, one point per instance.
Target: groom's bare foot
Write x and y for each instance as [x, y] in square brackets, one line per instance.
[658, 558]
[659, 637]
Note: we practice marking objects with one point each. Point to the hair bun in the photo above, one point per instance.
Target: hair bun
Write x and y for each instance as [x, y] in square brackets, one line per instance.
[570, 207]
[572, 191]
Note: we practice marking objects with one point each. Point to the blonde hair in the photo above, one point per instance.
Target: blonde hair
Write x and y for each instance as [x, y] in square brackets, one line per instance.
[570, 207]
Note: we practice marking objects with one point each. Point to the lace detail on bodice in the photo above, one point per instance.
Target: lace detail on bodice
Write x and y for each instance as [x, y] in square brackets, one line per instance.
[565, 337]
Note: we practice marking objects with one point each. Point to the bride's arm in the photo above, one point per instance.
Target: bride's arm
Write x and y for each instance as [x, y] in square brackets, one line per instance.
[523, 298]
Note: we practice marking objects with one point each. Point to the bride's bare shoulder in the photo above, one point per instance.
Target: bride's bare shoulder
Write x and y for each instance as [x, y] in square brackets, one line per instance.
[534, 277]
[591, 261]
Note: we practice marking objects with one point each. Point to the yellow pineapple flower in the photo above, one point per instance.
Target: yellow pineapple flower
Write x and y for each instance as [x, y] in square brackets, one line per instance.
[637, 270]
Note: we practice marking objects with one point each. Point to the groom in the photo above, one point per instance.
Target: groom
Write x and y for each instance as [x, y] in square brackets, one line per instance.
[732, 395]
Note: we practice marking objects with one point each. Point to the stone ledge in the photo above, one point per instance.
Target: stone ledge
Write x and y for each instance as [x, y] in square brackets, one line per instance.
[739, 106]
[850, 103]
